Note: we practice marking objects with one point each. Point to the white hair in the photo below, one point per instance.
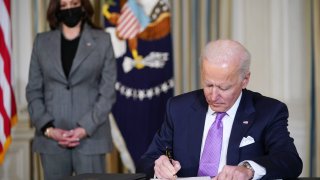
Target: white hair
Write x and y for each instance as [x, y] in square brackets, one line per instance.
[225, 51]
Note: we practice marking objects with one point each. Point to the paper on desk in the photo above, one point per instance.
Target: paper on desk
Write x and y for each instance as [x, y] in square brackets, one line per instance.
[192, 178]
[196, 178]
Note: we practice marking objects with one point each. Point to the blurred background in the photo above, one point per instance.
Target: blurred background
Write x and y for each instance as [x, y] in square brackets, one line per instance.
[282, 36]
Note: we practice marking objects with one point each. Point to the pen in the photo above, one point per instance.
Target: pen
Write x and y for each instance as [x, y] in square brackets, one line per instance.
[169, 154]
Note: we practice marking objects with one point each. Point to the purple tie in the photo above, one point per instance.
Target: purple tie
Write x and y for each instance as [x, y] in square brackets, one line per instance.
[209, 162]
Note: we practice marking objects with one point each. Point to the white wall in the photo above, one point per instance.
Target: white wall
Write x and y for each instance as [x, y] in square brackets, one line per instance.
[22, 36]
[274, 32]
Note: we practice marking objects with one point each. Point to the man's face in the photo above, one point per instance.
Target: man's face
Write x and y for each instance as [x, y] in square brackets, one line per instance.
[222, 84]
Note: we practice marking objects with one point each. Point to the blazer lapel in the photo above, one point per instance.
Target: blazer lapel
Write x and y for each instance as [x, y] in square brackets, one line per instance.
[54, 53]
[86, 46]
[242, 122]
[197, 120]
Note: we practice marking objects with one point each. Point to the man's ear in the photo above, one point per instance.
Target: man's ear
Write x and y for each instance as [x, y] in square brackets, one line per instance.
[245, 81]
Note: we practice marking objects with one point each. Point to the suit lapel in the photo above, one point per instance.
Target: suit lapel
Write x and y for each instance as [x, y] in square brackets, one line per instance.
[54, 53]
[242, 122]
[86, 46]
[197, 120]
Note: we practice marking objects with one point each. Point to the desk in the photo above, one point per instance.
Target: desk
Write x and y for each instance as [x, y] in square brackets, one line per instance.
[303, 178]
[139, 176]
[92, 176]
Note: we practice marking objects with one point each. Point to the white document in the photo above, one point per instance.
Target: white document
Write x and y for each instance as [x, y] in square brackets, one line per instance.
[196, 178]
[192, 178]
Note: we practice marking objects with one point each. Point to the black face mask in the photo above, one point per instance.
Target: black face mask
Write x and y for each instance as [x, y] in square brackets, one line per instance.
[70, 17]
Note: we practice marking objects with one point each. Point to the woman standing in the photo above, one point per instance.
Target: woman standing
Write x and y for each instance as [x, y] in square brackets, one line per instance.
[71, 91]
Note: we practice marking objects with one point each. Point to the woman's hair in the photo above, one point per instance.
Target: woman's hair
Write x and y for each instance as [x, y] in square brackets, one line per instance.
[54, 7]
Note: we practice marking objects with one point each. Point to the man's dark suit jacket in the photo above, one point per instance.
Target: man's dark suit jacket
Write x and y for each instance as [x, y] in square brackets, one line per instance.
[267, 121]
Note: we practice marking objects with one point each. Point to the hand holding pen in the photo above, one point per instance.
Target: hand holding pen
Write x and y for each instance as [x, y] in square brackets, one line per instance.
[169, 154]
[165, 167]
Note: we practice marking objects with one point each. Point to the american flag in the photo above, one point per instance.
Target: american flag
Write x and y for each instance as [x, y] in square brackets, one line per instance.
[129, 25]
[8, 116]
[131, 21]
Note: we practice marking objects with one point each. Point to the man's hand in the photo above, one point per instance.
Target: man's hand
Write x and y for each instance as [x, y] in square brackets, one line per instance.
[164, 169]
[234, 172]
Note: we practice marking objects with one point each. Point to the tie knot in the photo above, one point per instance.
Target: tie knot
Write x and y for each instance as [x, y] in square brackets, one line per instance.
[219, 117]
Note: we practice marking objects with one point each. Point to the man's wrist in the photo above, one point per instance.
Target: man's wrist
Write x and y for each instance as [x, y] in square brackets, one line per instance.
[248, 166]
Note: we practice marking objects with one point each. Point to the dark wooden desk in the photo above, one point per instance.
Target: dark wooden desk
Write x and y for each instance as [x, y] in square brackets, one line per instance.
[92, 176]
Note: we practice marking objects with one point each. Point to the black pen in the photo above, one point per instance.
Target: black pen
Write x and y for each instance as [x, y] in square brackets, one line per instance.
[169, 154]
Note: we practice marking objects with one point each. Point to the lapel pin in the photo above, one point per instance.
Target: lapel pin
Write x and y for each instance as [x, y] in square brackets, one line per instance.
[88, 44]
[245, 122]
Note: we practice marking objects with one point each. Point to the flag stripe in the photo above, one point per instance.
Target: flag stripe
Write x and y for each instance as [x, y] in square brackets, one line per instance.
[7, 101]
[5, 94]
[7, 4]
[5, 77]
[128, 24]
[124, 13]
[130, 31]
[2, 140]
[5, 124]
[125, 21]
[13, 108]
[5, 24]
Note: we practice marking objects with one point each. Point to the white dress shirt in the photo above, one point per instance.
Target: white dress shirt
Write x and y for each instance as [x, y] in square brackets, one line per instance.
[227, 122]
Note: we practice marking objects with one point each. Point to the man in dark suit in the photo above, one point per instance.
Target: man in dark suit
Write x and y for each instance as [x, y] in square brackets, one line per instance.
[254, 141]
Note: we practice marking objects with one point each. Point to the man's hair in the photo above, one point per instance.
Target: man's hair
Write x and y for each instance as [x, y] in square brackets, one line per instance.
[223, 51]
[54, 7]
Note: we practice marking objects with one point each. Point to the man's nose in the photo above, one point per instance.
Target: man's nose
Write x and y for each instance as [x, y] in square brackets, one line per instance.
[214, 93]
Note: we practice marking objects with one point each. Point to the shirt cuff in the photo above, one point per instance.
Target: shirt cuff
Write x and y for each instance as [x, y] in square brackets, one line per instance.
[259, 171]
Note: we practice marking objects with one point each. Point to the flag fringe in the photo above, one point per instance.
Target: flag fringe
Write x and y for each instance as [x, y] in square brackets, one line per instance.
[5, 148]
[14, 120]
